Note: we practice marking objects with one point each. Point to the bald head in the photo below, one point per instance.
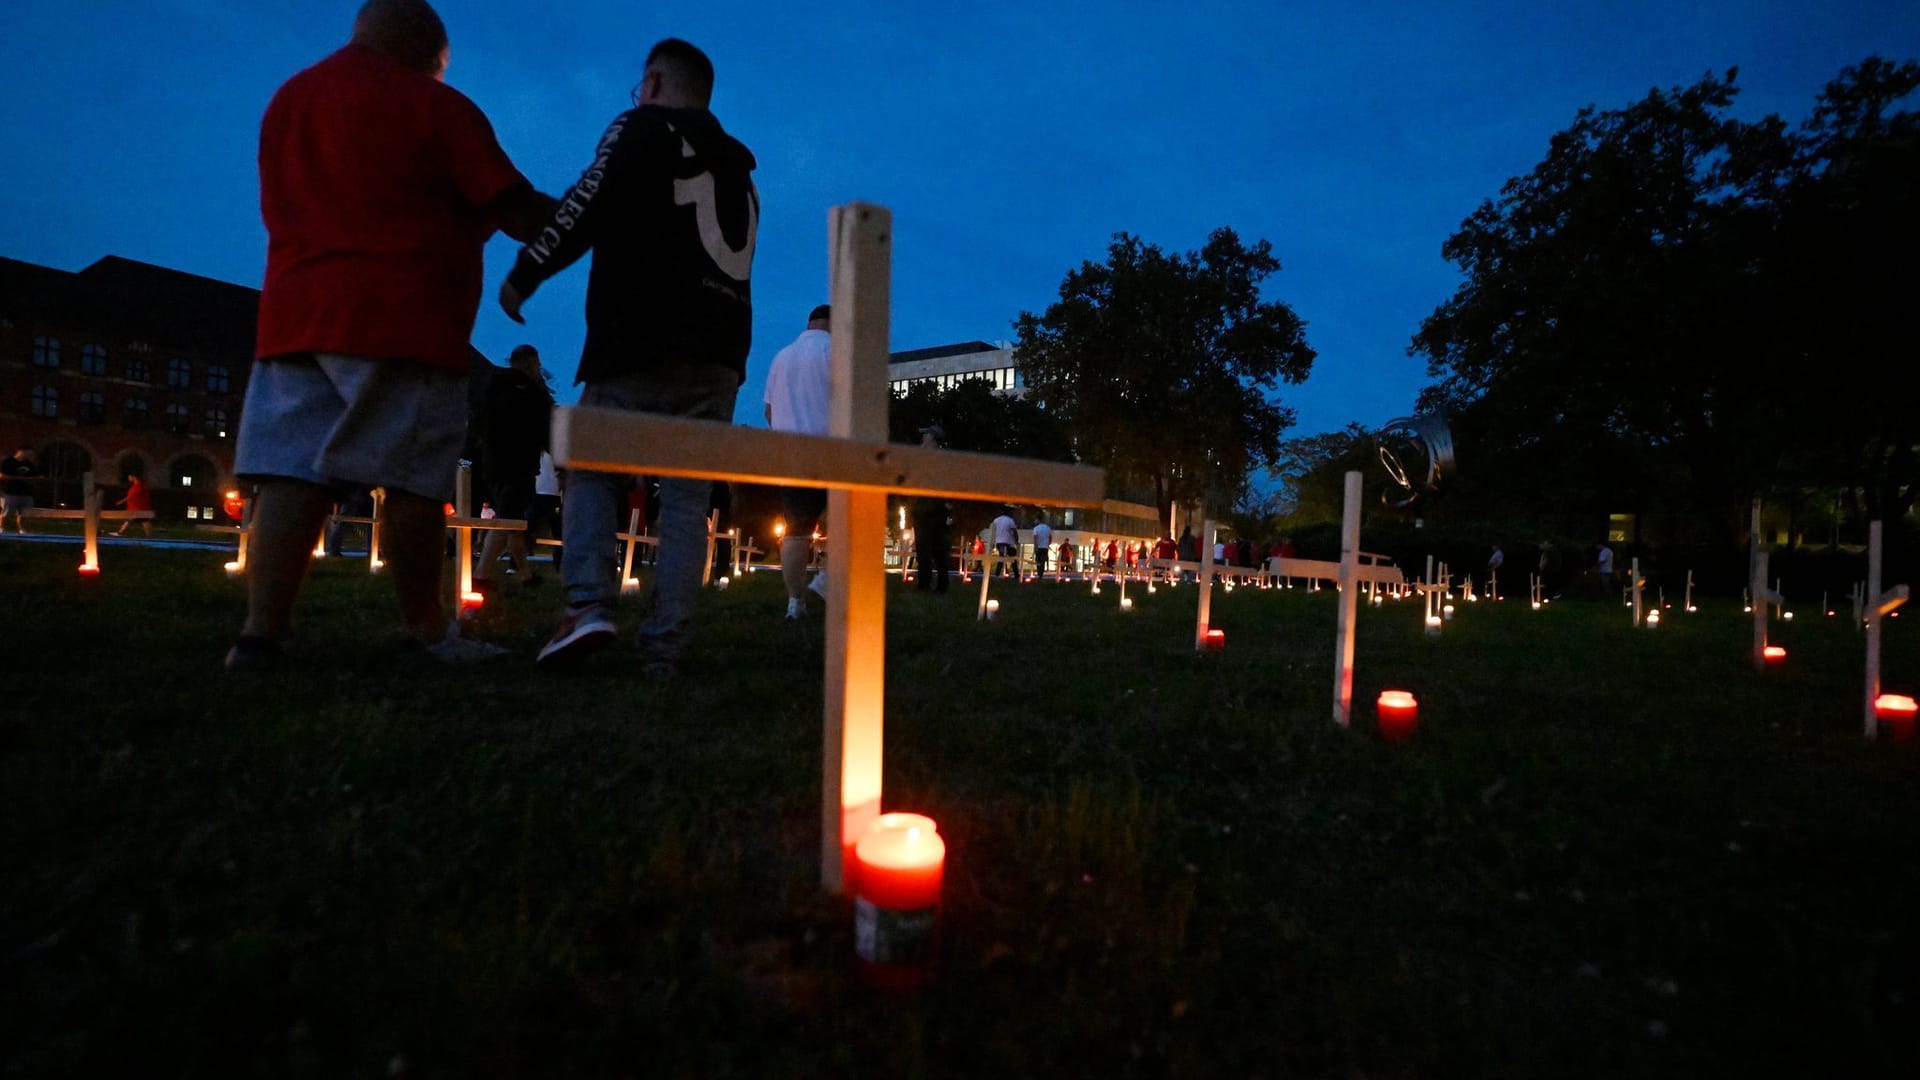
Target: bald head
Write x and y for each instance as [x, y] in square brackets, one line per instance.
[409, 31]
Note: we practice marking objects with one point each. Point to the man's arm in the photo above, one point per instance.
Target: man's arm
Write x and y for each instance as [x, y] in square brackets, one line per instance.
[568, 232]
[520, 211]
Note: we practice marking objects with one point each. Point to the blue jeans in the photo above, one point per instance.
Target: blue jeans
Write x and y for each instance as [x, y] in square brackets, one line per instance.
[592, 512]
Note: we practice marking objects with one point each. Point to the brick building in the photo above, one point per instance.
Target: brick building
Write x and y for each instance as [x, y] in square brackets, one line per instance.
[125, 367]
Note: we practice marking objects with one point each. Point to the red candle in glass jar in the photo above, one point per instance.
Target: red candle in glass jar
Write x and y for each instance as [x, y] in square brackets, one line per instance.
[1774, 656]
[89, 570]
[898, 868]
[1399, 715]
[1216, 641]
[1894, 715]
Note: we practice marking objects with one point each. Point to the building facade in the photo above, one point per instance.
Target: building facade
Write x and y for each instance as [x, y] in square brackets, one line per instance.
[945, 365]
[125, 368]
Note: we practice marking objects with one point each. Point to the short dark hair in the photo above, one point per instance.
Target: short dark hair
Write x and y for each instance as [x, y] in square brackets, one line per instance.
[409, 31]
[691, 70]
[824, 311]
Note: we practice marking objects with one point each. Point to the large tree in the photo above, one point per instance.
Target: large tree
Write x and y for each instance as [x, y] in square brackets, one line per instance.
[1667, 308]
[975, 416]
[1163, 366]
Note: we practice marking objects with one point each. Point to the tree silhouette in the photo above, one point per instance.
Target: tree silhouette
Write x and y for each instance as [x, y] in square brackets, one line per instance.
[1162, 366]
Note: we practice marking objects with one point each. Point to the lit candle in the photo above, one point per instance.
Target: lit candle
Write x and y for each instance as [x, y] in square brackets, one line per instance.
[993, 608]
[233, 568]
[898, 866]
[1653, 620]
[1787, 615]
[1433, 626]
[1126, 603]
[1399, 713]
[1446, 612]
[724, 582]
[1894, 715]
[1774, 655]
[89, 570]
[1216, 641]
[631, 585]
[471, 600]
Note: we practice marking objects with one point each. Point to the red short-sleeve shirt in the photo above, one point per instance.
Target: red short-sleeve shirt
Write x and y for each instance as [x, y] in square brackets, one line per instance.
[373, 183]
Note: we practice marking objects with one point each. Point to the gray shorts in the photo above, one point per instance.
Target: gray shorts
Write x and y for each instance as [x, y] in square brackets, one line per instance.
[15, 504]
[346, 421]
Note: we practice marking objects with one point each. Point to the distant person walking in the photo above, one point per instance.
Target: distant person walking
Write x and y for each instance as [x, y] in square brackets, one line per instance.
[16, 489]
[669, 209]
[1603, 564]
[799, 389]
[379, 186]
[1006, 541]
[136, 500]
[1042, 541]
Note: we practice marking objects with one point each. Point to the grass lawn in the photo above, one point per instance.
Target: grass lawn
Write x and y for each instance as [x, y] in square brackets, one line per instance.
[1607, 853]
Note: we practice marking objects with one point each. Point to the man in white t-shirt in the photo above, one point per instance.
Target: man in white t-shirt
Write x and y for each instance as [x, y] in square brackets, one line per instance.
[798, 388]
[1006, 541]
[1042, 542]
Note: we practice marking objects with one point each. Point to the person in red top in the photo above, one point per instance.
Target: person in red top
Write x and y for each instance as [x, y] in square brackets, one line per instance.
[379, 186]
[136, 499]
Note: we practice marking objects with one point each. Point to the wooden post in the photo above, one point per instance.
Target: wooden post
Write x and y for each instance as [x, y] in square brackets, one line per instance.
[1638, 602]
[1349, 604]
[1204, 612]
[463, 547]
[90, 523]
[852, 735]
[629, 583]
[1760, 595]
[374, 562]
[1879, 604]
[1690, 606]
[980, 614]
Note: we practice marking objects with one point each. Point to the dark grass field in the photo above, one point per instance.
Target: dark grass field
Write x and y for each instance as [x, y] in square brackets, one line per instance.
[1608, 852]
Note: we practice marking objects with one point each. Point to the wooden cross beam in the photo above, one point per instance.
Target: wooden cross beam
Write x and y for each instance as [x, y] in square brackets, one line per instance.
[859, 469]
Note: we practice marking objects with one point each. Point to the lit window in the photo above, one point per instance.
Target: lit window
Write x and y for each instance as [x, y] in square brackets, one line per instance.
[216, 423]
[93, 408]
[177, 419]
[179, 374]
[46, 352]
[138, 370]
[217, 378]
[193, 512]
[46, 402]
[186, 480]
[134, 412]
[93, 360]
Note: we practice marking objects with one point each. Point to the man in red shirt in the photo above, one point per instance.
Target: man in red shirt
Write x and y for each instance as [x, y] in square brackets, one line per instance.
[379, 186]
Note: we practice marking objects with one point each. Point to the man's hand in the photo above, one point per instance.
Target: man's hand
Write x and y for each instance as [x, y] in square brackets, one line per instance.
[510, 301]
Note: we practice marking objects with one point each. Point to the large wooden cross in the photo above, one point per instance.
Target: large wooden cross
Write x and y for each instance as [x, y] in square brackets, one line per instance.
[859, 468]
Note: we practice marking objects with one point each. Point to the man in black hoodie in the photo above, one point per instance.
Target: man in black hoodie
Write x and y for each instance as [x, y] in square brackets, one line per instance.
[669, 209]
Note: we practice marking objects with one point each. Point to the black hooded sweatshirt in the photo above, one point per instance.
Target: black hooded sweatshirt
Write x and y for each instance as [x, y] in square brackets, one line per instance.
[669, 208]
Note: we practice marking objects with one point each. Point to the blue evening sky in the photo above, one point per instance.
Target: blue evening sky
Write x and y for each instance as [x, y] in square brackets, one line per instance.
[1010, 140]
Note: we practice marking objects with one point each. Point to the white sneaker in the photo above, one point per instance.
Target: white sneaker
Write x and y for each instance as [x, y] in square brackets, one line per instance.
[796, 608]
[819, 585]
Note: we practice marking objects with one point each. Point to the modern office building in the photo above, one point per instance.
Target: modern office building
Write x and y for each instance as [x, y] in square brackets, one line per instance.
[945, 365]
